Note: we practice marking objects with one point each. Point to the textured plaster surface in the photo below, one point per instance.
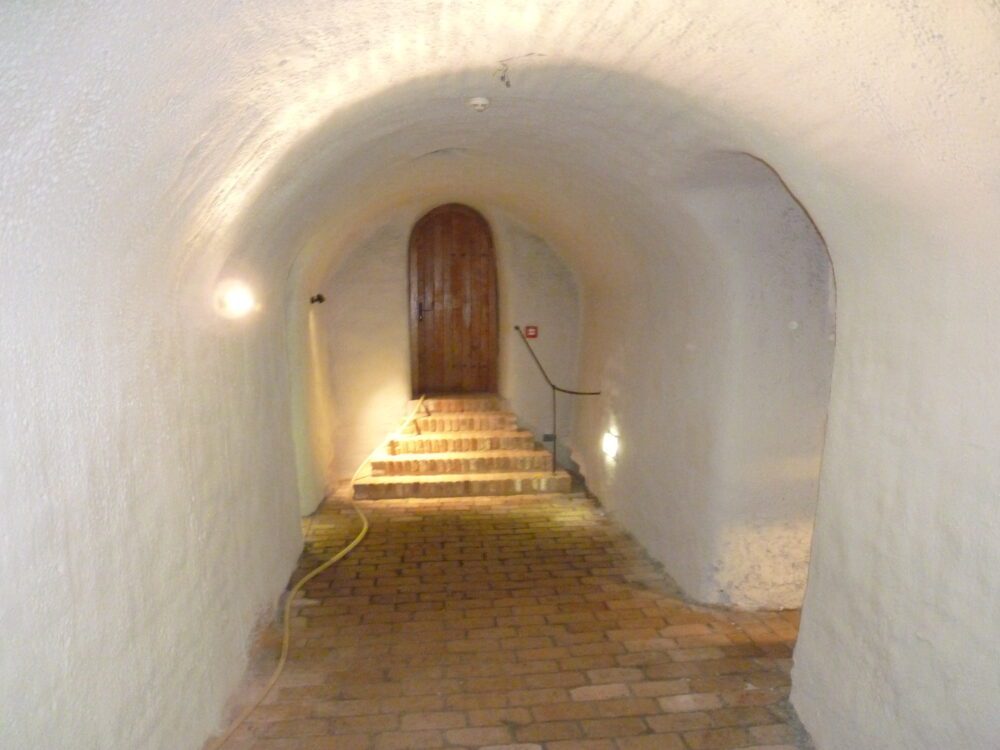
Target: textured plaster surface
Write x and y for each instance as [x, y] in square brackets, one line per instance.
[150, 150]
[717, 381]
[366, 359]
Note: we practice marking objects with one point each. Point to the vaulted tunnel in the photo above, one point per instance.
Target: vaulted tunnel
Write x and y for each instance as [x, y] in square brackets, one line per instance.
[691, 176]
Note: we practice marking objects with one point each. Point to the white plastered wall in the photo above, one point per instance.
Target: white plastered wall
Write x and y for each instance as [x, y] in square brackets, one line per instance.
[718, 381]
[147, 151]
[365, 362]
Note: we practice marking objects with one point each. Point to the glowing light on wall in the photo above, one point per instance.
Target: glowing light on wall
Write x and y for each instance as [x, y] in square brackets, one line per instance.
[609, 444]
[235, 299]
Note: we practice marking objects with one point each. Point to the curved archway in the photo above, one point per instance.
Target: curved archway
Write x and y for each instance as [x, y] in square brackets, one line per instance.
[163, 160]
[709, 321]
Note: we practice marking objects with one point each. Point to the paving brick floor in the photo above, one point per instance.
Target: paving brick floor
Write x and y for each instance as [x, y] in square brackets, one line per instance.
[514, 623]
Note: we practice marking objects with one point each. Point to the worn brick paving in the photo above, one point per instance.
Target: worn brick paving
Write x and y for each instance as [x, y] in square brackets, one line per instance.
[514, 623]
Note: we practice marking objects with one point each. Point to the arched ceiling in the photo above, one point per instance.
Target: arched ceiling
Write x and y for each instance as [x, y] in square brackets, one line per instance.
[234, 123]
[150, 148]
[607, 110]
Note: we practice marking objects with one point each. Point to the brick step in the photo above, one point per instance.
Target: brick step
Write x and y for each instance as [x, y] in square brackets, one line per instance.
[462, 485]
[470, 402]
[465, 421]
[470, 462]
[464, 442]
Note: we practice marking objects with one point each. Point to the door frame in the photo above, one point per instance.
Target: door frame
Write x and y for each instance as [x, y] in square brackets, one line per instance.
[412, 310]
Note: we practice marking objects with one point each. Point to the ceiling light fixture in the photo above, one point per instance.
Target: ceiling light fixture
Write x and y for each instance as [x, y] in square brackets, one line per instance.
[479, 103]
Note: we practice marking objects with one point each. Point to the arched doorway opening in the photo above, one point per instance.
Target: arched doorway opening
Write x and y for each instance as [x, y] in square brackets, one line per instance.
[453, 303]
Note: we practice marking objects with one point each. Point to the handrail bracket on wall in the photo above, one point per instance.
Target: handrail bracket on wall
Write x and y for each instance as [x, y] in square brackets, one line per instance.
[555, 389]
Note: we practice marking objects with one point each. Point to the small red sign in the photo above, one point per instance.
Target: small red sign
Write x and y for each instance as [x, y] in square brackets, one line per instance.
[531, 332]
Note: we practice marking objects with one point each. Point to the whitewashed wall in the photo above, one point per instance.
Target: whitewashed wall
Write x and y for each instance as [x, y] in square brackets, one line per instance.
[366, 347]
[147, 460]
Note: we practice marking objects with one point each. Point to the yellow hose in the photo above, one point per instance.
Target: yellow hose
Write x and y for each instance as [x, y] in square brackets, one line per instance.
[290, 599]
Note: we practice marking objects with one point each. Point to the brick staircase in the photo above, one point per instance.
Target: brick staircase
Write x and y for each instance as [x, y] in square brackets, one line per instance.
[461, 446]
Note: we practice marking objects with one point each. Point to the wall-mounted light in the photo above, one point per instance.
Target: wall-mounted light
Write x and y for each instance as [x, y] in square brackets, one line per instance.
[235, 299]
[609, 444]
[317, 299]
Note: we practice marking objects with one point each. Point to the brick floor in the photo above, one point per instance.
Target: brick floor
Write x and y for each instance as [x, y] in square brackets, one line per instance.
[514, 623]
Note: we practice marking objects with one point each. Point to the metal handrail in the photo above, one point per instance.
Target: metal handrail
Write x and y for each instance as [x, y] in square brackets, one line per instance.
[555, 389]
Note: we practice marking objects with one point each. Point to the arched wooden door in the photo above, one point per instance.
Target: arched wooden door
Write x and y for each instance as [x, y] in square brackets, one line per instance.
[453, 303]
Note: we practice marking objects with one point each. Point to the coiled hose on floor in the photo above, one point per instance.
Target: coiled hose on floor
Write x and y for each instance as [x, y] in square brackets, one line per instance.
[290, 599]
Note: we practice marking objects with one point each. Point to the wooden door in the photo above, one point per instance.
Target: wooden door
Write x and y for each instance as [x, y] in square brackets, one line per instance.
[453, 303]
